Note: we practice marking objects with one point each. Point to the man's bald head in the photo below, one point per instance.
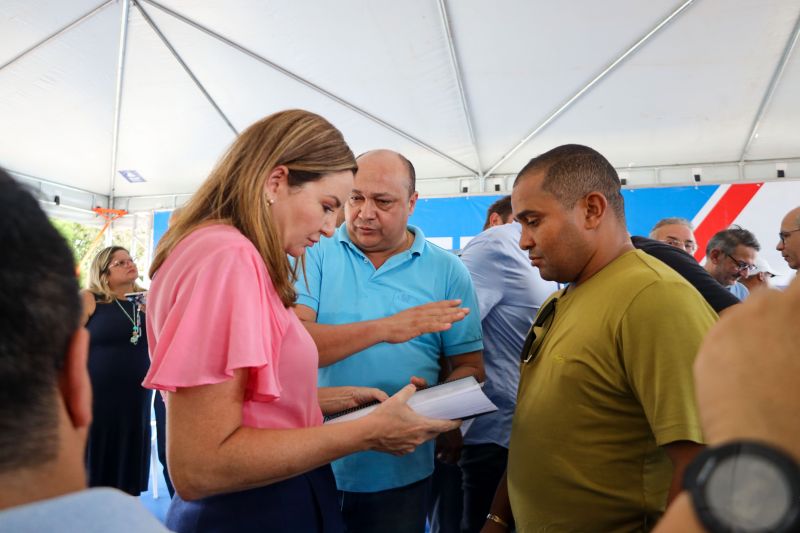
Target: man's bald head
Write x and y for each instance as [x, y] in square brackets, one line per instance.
[789, 243]
[411, 174]
[793, 217]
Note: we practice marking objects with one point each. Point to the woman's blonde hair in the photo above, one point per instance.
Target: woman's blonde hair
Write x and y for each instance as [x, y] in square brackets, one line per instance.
[98, 274]
[235, 193]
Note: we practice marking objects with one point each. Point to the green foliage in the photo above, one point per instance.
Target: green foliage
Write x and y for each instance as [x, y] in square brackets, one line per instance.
[80, 238]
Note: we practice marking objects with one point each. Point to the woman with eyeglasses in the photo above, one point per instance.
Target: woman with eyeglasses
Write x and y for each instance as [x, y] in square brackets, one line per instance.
[246, 444]
[118, 448]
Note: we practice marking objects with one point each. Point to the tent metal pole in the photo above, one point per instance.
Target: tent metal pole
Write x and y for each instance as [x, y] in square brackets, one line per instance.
[56, 34]
[51, 183]
[461, 91]
[771, 88]
[312, 86]
[148, 247]
[151, 196]
[186, 68]
[68, 207]
[716, 163]
[605, 72]
[123, 43]
[134, 241]
[657, 169]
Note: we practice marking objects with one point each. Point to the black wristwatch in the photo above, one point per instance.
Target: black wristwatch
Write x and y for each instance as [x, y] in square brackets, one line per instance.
[745, 486]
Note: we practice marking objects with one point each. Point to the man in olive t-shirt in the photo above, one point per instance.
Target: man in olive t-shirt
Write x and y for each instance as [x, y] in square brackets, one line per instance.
[606, 419]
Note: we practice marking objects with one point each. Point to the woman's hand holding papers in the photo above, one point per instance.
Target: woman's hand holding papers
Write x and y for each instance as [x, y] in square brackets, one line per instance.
[395, 428]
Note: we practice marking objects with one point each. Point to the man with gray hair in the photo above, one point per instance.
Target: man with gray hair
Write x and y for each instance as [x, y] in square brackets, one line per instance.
[677, 232]
[730, 256]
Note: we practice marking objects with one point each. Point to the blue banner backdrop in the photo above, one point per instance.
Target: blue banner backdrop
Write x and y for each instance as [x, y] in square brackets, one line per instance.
[447, 221]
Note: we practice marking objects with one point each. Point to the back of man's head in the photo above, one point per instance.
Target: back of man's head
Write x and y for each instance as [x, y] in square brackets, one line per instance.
[498, 213]
[572, 171]
[40, 306]
[728, 239]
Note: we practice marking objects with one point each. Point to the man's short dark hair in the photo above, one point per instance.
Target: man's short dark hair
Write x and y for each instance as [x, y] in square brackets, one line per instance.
[502, 207]
[41, 309]
[572, 171]
[728, 239]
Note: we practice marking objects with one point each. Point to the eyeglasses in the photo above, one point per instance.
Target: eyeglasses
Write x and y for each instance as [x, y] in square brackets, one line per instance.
[741, 266]
[689, 246]
[538, 330]
[784, 234]
[123, 263]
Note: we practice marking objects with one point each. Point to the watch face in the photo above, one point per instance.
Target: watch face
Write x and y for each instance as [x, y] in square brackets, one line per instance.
[747, 492]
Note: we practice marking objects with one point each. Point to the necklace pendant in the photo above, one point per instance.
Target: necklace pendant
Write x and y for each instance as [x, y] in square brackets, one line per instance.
[135, 339]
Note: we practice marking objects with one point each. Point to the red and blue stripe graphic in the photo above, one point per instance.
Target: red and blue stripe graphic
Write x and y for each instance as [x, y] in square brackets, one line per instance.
[722, 210]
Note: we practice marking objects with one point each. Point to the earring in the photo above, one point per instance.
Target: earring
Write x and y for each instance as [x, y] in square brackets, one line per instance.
[270, 201]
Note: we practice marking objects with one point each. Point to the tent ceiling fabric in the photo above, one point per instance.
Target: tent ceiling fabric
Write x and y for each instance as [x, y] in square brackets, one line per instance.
[391, 74]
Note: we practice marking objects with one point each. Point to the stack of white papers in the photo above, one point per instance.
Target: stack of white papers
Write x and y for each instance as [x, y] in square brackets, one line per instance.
[452, 400]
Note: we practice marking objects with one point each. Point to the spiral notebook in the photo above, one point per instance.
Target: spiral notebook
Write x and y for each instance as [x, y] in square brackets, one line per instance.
[458, 399]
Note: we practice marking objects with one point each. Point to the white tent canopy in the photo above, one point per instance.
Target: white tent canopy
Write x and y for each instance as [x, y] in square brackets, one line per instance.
[469, 90]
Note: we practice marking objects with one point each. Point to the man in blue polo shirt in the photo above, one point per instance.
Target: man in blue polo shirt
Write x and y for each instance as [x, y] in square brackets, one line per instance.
[383, 306]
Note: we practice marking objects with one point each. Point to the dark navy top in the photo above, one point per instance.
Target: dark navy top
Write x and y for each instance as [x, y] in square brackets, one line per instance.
[118, 451]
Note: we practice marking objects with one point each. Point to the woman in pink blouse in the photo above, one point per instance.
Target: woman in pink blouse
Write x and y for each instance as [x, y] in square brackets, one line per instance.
[245, 442]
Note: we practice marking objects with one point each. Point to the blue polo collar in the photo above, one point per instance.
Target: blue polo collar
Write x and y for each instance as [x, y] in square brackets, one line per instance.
[417, 247]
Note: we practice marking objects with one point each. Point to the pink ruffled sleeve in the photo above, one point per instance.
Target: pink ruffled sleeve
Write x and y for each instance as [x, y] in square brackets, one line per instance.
[212, 313]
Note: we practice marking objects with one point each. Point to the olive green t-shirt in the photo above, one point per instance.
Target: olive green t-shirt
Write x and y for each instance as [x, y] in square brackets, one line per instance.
[612, 382]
